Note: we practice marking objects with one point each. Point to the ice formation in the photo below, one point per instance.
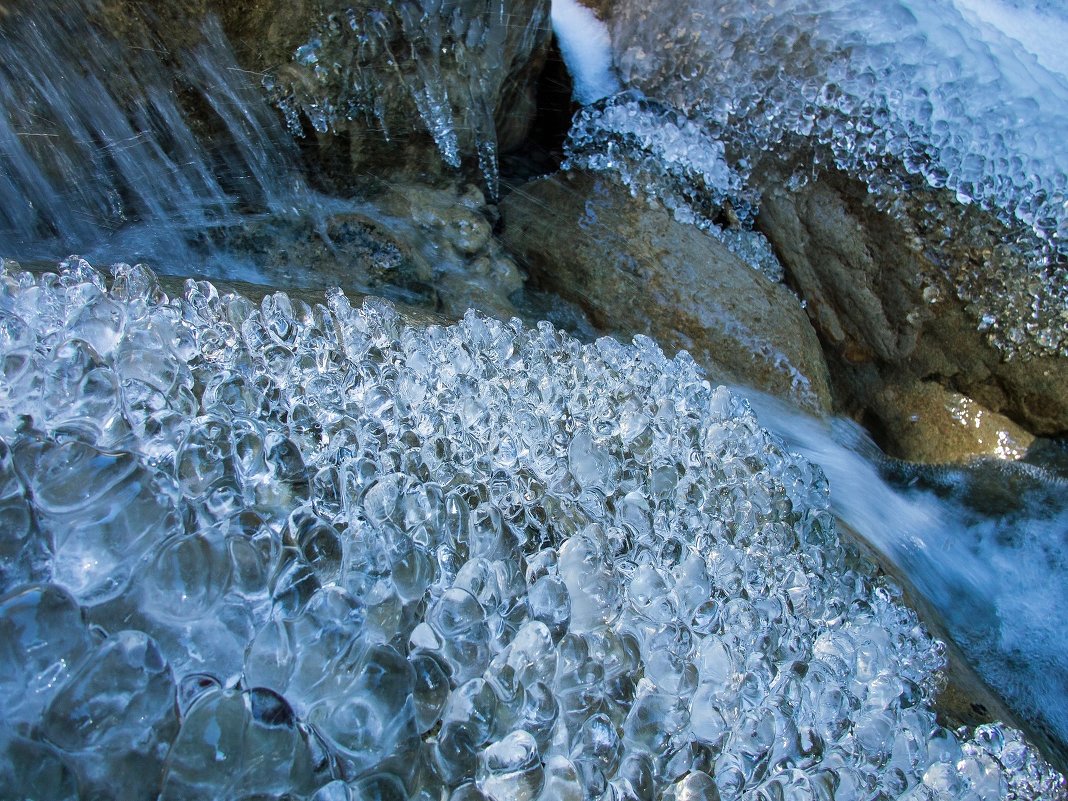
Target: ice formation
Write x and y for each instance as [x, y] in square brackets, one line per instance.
[284, 551]
[657, 151]
[586, 49]
[879, 88]
[443, 60]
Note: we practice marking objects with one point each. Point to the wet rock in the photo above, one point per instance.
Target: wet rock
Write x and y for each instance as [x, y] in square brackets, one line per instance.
[348, 250]
[664, 279]
[879, 295]
[413, 244]
[451, 229]
[927, 423]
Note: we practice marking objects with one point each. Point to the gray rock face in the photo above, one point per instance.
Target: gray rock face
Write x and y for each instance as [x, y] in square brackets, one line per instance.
[664, 279]
[877, 293]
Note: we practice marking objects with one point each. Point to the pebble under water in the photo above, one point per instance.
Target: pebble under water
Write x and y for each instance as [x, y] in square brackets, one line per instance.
[282, 551]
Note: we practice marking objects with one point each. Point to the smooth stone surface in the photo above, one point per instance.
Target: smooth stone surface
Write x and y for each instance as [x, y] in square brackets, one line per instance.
[929, 424]
[664, 279]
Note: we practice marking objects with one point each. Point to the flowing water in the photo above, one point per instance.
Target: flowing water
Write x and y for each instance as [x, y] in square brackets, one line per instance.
[986, 545]
[97, 139]
[317, 550]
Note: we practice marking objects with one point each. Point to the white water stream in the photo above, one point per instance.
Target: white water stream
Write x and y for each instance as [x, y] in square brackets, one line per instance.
[998, 579]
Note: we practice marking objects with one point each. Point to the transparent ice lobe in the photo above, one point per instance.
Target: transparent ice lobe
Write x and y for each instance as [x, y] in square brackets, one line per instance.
[116, 715]
[495, 585]
[45, 638]
[510, 769]
[101, 509]
[238, 744]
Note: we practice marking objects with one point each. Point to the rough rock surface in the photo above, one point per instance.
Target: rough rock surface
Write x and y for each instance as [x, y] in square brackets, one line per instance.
[878, 295]
[667, 280]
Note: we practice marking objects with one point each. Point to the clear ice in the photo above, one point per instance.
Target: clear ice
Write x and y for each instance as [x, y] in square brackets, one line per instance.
[279, 550]
[367, 63]
[885, 91]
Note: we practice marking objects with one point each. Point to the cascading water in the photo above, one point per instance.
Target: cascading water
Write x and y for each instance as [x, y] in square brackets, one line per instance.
[97, 140]
[984, 544]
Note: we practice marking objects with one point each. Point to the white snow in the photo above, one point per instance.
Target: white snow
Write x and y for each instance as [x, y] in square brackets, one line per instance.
[587, 51]
[1041, 32]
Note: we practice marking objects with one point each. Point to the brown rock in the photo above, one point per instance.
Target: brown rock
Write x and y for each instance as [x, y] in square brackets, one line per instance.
[879, 294]
[413, 244]
[634, 269]
[927, 423]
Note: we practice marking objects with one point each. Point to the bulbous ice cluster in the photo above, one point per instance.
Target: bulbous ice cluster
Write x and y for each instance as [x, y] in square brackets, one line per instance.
[378, 63]
[879, 88]
[656, 150]
[284, 551]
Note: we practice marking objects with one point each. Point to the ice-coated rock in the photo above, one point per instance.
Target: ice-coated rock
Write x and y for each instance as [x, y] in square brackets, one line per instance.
[372, 69]
[466, 562]
[901, 95]
[664, 279]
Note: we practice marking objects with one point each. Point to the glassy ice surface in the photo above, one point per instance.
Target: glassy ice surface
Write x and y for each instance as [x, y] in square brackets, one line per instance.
[952, 93]
[344, 558]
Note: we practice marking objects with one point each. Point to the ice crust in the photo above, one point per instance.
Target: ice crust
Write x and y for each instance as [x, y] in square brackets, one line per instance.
[883, 90]
[658, 152]
[259, 550]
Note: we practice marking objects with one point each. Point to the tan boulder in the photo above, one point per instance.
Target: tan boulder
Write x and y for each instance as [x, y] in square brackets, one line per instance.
[924, 422]
[635, 270]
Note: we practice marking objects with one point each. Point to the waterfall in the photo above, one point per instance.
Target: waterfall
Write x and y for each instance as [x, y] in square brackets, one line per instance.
[98, 135]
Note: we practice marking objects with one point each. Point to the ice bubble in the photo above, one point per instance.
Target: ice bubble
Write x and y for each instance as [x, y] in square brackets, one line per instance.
[510, 769]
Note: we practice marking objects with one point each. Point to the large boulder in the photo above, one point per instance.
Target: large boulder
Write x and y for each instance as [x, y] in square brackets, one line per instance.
[879, 288]
[634, 269]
